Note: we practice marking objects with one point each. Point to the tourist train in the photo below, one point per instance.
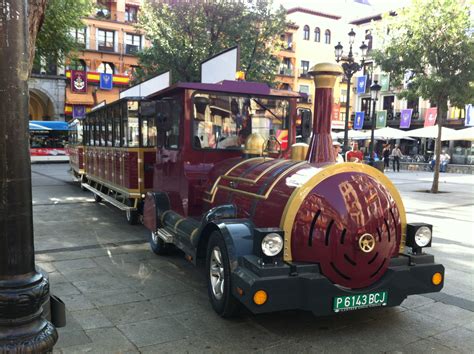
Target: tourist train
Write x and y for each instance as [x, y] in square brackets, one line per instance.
[213, 169]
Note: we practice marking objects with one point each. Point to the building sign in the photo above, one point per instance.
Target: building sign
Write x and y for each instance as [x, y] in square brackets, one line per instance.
[78, 81]
[79, 112]
[361, 83]
[106, 81]
[469, 122]
[359, 120]
[336, 111]
[385, 82]
[405, 118]
[430, 116]
[381, 119]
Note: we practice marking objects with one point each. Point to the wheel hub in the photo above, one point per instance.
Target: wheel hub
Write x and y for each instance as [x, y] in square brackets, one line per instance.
[216, 272]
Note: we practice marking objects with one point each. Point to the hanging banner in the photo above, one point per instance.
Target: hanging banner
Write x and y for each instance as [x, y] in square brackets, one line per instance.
[405, 118]
[106, 81]
[336, 112]
[78, 112]
[361, 83]
[385, 82]
[469, 122]
[78, 81]
[430, 116]
[381, 119]
[359, 120]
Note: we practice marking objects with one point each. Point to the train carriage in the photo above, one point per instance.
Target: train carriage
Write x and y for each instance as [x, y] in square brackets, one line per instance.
[75, 148]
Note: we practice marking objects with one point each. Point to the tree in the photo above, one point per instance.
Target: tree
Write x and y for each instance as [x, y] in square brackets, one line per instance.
[432, 40]
[54, 41]
[186, 33]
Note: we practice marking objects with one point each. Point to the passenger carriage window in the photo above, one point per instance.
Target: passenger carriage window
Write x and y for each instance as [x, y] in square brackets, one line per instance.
[148, 123]
[225, 121]
[109, 127]
[168, 122]
[132, 131]
[116, 114]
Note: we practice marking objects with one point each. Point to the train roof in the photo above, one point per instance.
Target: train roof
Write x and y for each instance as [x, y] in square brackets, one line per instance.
[227, 86]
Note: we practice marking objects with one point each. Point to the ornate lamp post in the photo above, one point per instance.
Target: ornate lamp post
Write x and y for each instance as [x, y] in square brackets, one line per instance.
[350, 67]
[374, 93]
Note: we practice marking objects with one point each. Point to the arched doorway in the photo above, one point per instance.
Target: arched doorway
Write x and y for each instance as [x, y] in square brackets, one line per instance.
[40, 106]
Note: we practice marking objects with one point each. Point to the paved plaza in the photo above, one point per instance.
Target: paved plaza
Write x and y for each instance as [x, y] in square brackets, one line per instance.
[121, 297]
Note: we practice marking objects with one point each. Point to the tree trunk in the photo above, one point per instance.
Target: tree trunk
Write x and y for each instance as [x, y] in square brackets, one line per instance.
[439, 115]
[36, 10]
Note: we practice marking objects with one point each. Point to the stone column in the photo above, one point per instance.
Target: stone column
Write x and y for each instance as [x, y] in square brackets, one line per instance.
[320, 148]
[23, 290]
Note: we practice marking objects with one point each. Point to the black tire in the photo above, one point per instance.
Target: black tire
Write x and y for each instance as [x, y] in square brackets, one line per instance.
[157, 245]
[224, 303]
[97, 198]
[132, 216]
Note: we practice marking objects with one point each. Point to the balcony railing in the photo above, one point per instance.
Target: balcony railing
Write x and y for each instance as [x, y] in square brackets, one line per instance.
[303, 73]
[105, 48]
[131, 49]
[285, 71]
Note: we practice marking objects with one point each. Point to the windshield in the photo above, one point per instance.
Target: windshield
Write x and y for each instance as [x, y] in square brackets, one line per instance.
[224, 121]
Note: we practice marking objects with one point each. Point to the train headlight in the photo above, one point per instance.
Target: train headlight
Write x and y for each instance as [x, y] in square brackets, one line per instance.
[419, 235]
[272, 244]
[423, 236]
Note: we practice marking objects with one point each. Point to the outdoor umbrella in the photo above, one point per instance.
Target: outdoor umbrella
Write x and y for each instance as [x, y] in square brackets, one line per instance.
[462, 134]
[388, 133]
[430, 132]
[35, 126]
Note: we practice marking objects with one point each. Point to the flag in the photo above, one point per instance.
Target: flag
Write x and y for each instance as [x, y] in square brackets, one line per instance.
[78, 111]
[381, 119]
[361, 82]
[469, 122]
[384, 82]
[405, 118]
[78, 81]
[359, 120]
[430, 116]
[106, 81]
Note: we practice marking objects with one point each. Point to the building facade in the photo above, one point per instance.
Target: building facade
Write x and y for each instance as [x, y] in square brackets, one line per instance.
[108, 44]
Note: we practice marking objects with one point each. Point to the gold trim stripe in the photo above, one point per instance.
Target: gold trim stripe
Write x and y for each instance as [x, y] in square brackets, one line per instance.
[300, 193]
[254, 181]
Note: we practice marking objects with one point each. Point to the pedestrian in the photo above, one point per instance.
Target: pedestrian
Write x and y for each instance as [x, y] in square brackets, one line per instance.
[443, 164]
[386, 156]
[337, 151]
[355, 155]
[396, 154]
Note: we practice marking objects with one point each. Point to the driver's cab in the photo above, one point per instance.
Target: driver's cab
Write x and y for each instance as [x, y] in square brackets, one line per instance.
[200, 125]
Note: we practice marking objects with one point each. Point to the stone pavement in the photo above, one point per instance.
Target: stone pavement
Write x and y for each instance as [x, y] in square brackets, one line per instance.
[120, 297]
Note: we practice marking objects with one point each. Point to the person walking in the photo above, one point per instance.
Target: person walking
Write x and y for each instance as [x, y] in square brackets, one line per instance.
[396, 154]
[386, 156]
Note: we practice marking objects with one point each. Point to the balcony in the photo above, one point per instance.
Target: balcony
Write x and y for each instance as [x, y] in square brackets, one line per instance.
[106, 48]
[285, 71]
[303, 73]
[131, 49]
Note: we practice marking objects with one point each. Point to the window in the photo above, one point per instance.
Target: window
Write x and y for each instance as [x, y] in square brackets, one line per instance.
[306, 32]
[107, 68]
[131, 131]
[304, 67]
[79, 35]
[131, 13]
[102, 9]
[368, 38]
[133, 43]
[343, 96]
[106, 40]
[317, 34]
[327, 37]
[225, 121]
[414, 104]
[365, 106]
[388, 104]
[304, 89]
[77, 64]
[116, 115]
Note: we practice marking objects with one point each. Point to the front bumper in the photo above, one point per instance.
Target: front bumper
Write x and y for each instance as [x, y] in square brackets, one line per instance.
[302, 286]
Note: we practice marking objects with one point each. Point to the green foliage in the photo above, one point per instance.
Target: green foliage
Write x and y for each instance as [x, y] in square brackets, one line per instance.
[55, 42]
[186, 33]
[433, 40]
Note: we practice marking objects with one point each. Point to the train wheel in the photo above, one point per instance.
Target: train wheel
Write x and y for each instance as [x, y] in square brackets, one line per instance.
[132, 216]
[157, 245]
[97, 198]
[218, 277]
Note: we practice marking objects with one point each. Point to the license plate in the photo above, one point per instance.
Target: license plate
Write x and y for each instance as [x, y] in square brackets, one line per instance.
[360, 301]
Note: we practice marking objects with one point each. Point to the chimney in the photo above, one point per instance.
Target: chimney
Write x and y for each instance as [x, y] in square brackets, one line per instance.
[324, 75]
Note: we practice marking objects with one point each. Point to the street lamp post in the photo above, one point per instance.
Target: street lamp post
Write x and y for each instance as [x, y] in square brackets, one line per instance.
[374, 92]
[350, 67]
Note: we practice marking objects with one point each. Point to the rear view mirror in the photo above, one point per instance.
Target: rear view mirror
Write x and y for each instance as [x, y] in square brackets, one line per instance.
[306, 124]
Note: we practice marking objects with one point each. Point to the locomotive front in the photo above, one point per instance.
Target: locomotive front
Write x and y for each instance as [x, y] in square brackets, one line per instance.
[314, 235]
